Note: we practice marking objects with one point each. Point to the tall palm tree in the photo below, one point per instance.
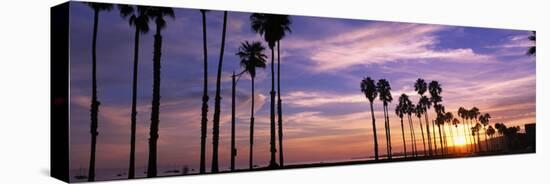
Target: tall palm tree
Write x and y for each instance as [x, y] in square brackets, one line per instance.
[252, 56]
[400, 110]
[217, 102]
[418, 112]
[204, 107]
[439, 121]
[97, 8]
[158, 14]
[462, 113]
[474, 115]
[424, 103]
[434, 88]
[368, 87]
[484, 120]
[491, 132]
[273, 28]
[455, 123]
[449, 120]
[410, 109]
[501, 129]
[475, 131]
[138, 18]
[384, 90]
[532, 50]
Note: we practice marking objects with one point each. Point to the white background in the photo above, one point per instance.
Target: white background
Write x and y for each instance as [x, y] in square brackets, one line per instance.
[24, 90]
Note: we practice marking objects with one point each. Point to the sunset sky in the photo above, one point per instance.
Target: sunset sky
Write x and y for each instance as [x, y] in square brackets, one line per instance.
[326, 117]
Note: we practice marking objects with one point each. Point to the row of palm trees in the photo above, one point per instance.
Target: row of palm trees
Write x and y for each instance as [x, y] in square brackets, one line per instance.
[272, 27]
[472, 120]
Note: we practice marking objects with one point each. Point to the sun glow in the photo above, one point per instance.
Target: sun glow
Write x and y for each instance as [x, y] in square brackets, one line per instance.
[459, 140]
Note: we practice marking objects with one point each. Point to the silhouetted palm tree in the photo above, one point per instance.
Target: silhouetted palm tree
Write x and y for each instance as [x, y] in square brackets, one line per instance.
[400, 110]
[462, 113]
[217, 102]
[484, 120]
[449, 120]
[252, 57]
[97, 8]
[491, 132]
[418, 112]
[475, 131]
[384, 93]
[138, 18]
[410, 109]
[204, 107]
[368, 87]
[455, 123]
[532, 49]
[158, 14]
[440, 120]
[501, 129]
[273, 28]
[424, 103]
[474, 114]
[434, 88]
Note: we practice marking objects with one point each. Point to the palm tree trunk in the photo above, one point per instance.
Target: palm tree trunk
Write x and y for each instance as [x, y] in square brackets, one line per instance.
[233, 150]
[428, 134]
[204, 108]
[279, 105]
[440, 138]
[131, 170]
[486, 140]
[389, 131]
[217, 104]
[95, 103]
[403, 136]
[434, 138]
[273, 149]
[153, 134]
[467, 139]
[374, 132]
[452, 140]
[413, 136]
[251, 155]
[422, 131]
[456, 131]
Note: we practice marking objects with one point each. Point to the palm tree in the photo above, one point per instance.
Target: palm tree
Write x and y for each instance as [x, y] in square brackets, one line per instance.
[424, 103]
[475, 131]
[532, 49]
[491, 132]
[217, 102]
[384, 90]
[400, 110]
[501, 129]
[97, 8]
[252, 57]
[418, 112]
[455, 123]
[158, 14]
[449, 120]
[204, 107]
[440, 120]
[484, 119]
[368, 87]
[474, 115]
[273, 28]
[138, 18]
[462, 112]
[434, 88]
[410, 109]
